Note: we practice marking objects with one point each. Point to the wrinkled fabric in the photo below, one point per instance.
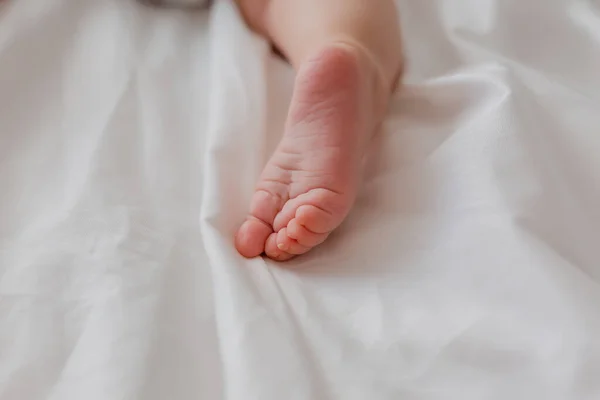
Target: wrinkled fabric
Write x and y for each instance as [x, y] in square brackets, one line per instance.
[130, 141]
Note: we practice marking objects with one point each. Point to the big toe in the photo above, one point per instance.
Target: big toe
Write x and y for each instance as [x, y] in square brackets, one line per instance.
[251, 237]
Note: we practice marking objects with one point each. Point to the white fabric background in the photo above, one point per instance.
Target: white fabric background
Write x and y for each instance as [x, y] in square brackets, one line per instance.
[130, 140]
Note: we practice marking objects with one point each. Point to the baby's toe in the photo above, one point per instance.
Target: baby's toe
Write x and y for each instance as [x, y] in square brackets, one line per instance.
[252, 235]
[273, 251]
[317, 220]
[327, 207]
[304, 236]
[289, 245]
[288, 212]
[250, 238]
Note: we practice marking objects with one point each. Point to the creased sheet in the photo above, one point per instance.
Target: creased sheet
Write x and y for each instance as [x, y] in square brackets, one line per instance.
[130, 141]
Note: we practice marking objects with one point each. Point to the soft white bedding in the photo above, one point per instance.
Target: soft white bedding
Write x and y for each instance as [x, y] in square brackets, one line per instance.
[130, 140]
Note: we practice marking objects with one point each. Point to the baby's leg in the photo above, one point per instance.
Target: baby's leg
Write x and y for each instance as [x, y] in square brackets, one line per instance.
[348, 58]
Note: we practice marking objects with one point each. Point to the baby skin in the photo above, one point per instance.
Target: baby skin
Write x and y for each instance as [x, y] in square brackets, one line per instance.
[348, 58]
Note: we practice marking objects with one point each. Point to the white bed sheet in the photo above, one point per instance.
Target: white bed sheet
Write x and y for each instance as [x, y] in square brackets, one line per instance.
[130, 140]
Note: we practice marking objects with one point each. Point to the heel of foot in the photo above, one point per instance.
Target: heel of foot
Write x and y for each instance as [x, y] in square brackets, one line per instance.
[348, 68]
[331, 73]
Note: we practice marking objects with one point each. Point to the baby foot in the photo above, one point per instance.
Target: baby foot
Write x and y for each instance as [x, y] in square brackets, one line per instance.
[310, 183]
